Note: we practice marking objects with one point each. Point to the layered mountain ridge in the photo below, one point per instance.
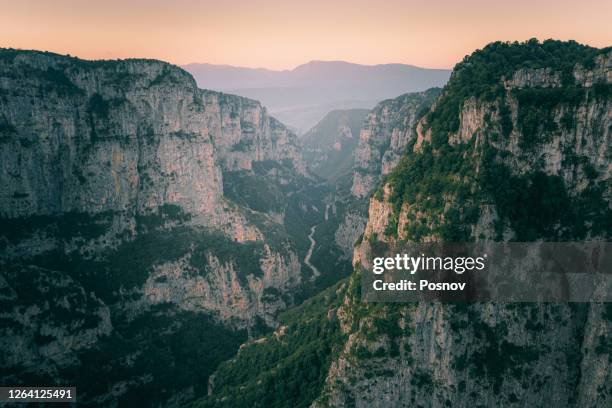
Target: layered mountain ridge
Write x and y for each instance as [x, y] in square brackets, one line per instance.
[301, 97]
[516, 147]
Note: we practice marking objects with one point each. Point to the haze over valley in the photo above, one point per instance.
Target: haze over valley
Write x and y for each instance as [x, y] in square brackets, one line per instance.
[301, 97]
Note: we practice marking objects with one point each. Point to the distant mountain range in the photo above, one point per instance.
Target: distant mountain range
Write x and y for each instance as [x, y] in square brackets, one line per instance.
[303, 96]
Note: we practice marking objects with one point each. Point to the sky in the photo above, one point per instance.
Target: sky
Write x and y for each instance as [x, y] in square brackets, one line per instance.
[279, 34]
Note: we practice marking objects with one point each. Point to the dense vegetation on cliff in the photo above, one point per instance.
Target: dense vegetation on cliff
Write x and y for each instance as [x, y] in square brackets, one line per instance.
[481, 74]
[479, 172]
[288, 367]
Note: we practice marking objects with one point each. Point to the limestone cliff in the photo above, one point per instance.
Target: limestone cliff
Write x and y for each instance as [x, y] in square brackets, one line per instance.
[468, 178]
[383, 139]
[112, 205]
[387, 131]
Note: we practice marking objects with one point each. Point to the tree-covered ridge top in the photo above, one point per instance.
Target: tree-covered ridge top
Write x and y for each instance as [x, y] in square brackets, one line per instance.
[477, 175]
[501, 59]
[481, 74]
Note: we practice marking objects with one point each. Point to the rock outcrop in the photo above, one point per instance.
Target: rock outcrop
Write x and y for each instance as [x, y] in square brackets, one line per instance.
[385, 136]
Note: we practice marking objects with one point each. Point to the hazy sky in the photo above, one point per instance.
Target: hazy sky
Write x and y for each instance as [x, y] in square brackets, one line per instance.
[283, 34]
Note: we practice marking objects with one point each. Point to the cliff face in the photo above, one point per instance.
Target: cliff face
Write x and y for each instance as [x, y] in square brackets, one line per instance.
[517, 147]
[74, 139]
[123, 136]
[112, 202]
[383, 139]
[542, 141]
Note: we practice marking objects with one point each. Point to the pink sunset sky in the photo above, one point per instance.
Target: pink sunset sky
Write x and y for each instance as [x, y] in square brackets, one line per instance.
[283, 34]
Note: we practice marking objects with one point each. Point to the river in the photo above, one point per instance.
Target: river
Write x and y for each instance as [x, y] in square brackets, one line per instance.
[315, 271]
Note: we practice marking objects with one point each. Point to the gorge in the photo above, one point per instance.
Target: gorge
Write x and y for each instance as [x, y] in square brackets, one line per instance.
[165, 245]
[470, 159]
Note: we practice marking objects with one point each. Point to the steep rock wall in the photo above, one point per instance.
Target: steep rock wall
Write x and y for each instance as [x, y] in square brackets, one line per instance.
[463, 355]
[112, 206]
